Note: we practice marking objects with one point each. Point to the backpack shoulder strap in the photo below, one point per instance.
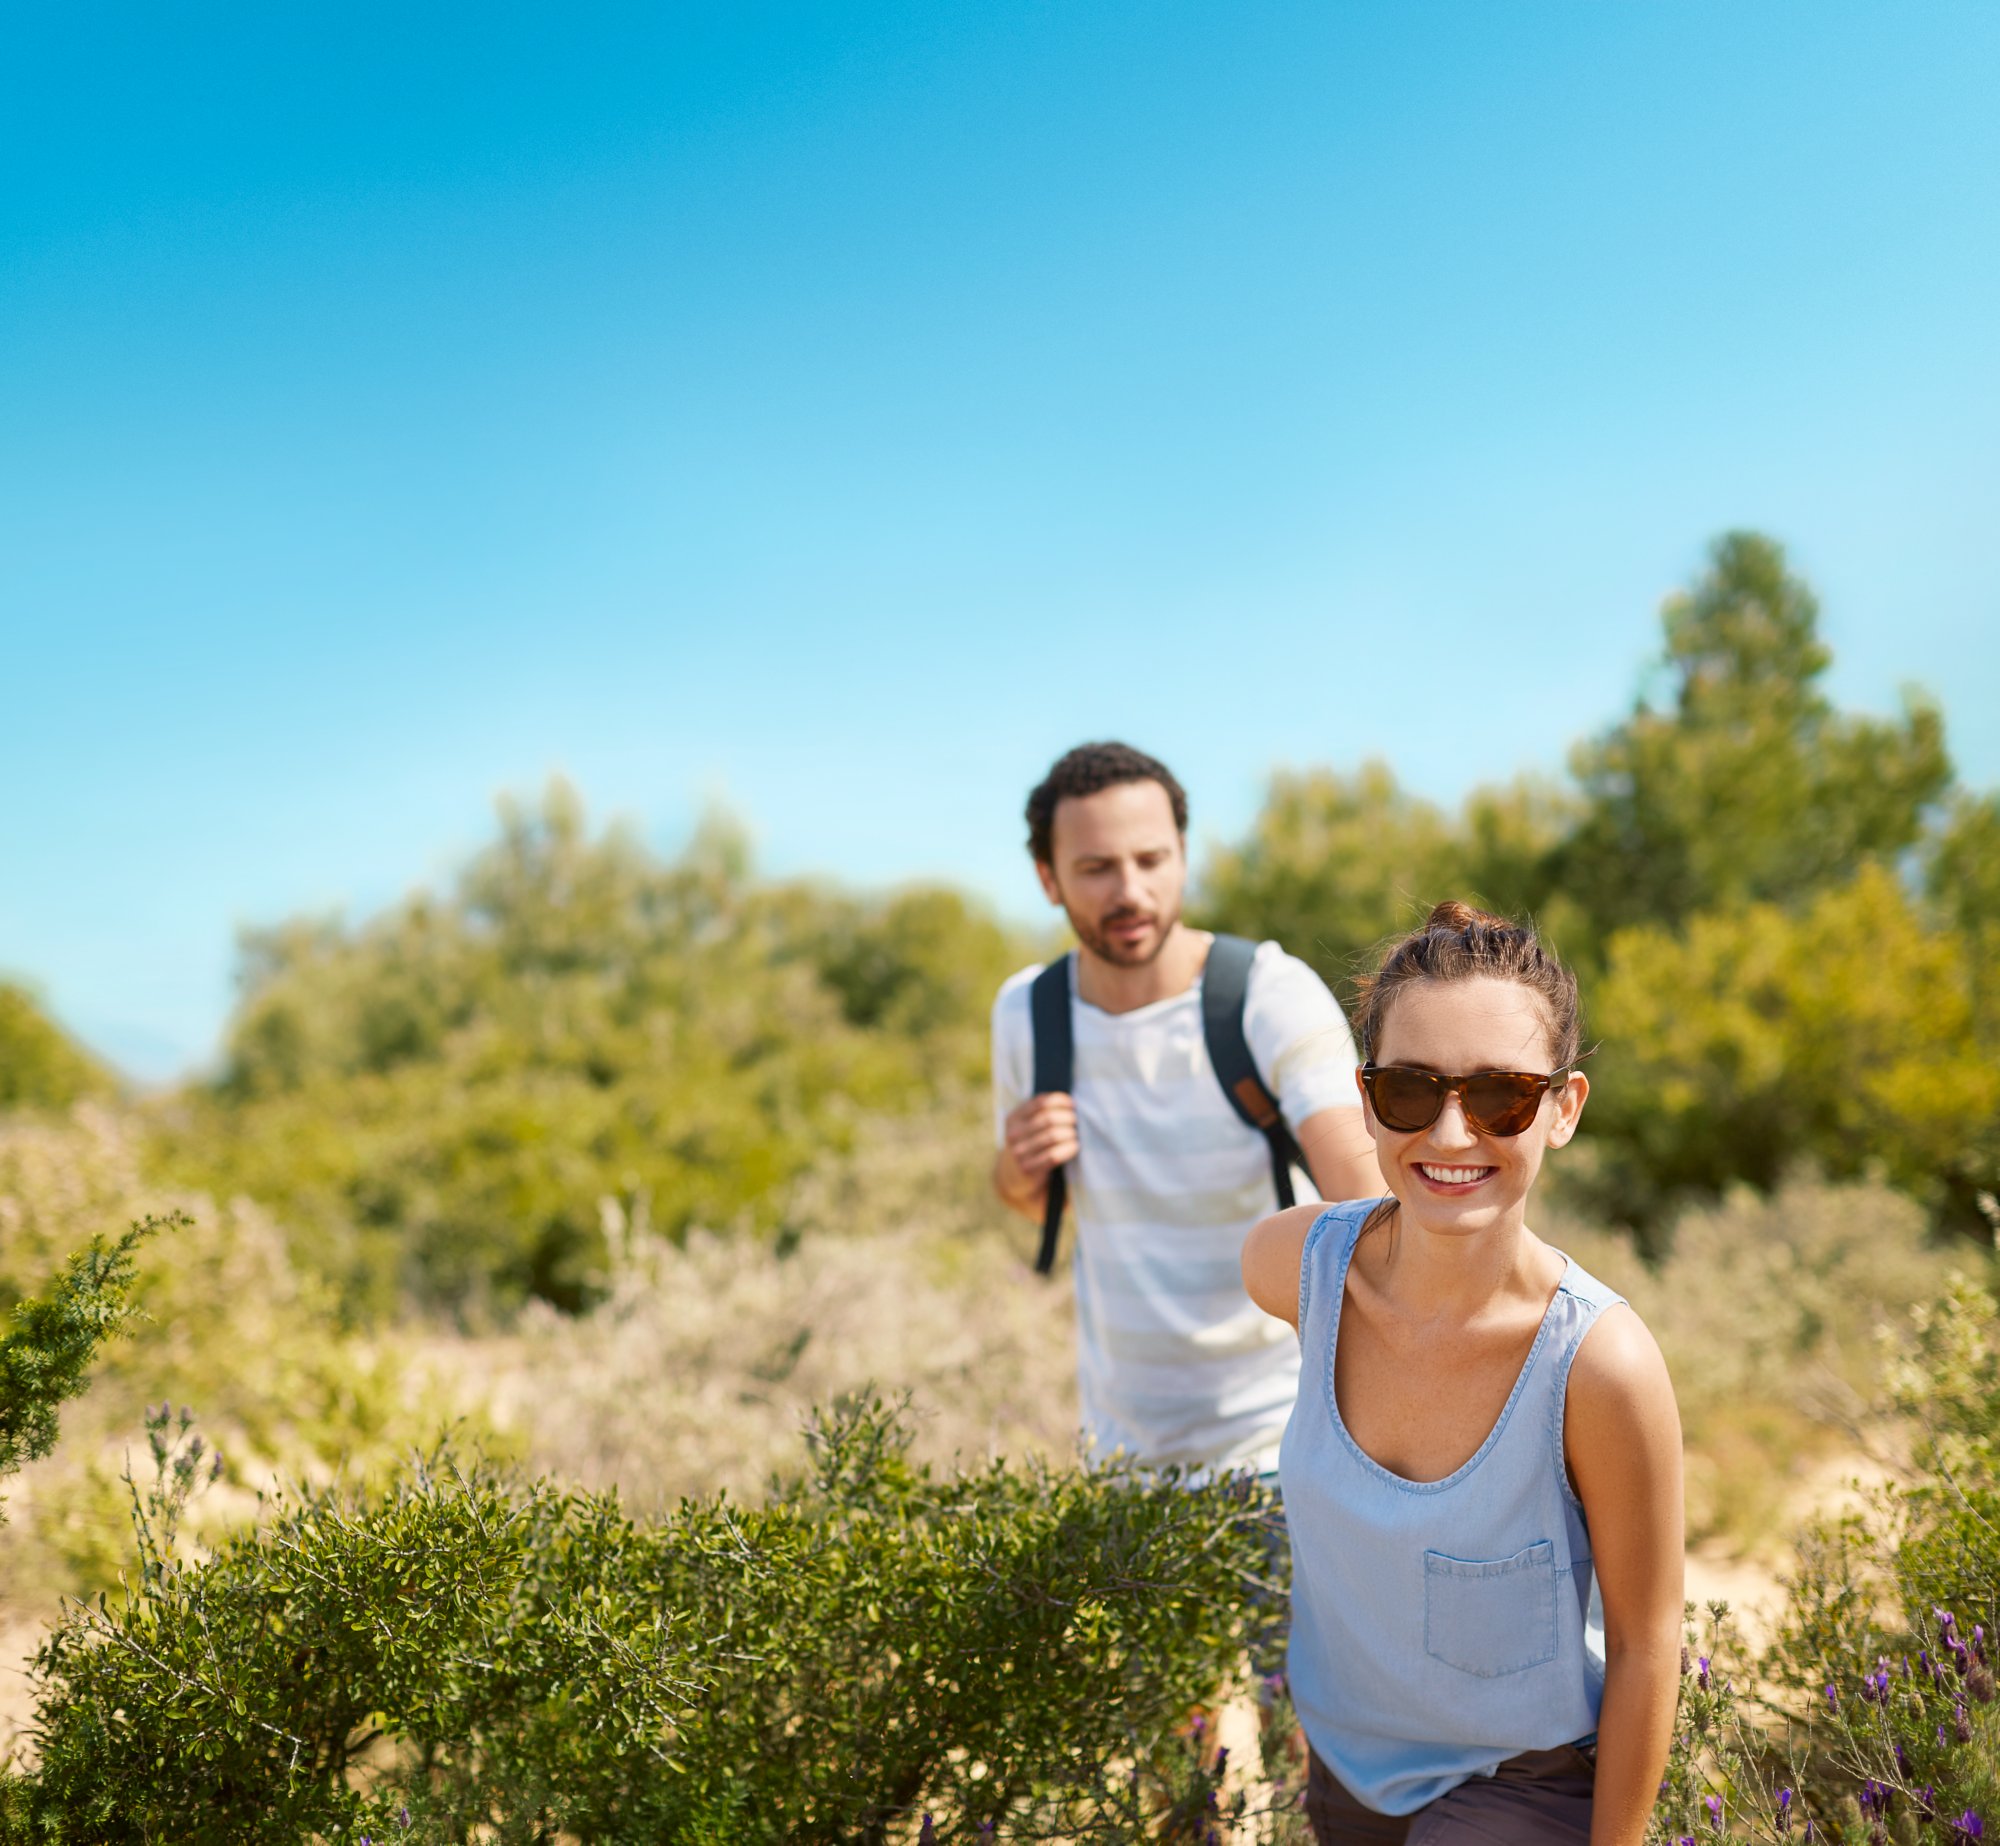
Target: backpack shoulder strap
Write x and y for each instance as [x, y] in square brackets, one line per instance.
[1055, 1070]
[1225, 986]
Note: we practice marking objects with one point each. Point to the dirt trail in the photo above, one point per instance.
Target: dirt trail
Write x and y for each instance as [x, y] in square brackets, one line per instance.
[20, 1639]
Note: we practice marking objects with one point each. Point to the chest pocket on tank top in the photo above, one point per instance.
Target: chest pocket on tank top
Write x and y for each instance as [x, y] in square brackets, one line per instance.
[1491, 1617]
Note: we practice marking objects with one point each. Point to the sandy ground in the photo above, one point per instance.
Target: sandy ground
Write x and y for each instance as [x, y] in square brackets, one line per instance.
[20, 1637]
[1749, 1586]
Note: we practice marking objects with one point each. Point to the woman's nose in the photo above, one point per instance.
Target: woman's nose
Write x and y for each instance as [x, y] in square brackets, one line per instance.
[1451, 1129]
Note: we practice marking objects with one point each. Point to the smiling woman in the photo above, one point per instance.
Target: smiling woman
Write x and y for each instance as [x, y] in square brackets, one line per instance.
[1482, 1474]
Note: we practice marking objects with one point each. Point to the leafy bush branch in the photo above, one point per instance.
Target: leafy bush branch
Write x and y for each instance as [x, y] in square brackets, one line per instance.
[46, 1353]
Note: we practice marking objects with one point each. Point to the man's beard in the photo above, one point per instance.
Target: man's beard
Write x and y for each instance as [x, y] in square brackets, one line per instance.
[1097, 939]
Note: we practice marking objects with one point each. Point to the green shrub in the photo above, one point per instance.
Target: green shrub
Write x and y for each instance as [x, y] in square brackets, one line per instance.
[1872, 1712]
[1009, 1648]
[53, 1336]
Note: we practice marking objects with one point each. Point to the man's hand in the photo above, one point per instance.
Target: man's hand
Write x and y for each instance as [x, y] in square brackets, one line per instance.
[1041, 1136]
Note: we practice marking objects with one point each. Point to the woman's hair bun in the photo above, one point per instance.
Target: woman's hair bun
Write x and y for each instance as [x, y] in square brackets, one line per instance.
[1454, 916]
[1459, 942]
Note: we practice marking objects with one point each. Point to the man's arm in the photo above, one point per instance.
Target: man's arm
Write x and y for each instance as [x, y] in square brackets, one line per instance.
[1622, 1434]
[1340, 1154]
[1041, 1136]
[1301, 1042]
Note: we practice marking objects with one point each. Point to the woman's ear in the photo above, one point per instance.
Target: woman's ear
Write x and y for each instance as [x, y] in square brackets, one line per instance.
[1569, 1108]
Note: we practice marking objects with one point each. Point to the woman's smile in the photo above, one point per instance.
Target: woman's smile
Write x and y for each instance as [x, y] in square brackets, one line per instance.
[1452, 1181]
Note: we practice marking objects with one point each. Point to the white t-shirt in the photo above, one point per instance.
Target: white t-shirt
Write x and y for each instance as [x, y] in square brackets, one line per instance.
[1175, 1363]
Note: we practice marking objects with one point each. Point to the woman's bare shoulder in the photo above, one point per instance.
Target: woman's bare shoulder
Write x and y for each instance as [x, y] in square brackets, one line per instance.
[1618, 1382]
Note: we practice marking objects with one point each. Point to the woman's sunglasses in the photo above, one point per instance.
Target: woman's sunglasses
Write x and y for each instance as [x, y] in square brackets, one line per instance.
[1496, 1102]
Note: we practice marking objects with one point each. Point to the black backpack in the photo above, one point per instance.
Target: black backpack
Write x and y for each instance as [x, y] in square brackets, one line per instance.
[1224, 984]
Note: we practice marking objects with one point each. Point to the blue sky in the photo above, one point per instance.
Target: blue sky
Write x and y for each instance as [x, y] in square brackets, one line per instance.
[838, 410]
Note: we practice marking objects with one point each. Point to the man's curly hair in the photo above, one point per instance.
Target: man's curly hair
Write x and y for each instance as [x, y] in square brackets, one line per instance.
[1085, 770]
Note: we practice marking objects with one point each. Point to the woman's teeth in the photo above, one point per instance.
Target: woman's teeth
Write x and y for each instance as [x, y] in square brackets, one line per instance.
[1452, 1176]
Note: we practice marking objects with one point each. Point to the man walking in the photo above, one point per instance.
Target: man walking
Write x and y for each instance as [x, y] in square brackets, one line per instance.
[1175, 1365]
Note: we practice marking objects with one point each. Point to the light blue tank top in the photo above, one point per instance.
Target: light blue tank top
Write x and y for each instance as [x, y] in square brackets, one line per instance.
[1438, 1627]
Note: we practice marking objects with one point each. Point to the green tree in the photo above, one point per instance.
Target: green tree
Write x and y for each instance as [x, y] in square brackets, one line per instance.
[41, 1067]
[1332, 864]
[1962, 873]
[446, 1100]
[1335, 863]
[1847, 1035]
[1743, 784]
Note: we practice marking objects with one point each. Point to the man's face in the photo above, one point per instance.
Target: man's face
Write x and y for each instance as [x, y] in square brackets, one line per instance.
[1119, 869]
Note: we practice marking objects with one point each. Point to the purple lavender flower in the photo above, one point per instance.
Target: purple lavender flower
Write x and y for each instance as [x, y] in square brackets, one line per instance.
[1969, 1827]
[1832, 1697]
[1714, 1805]
[1701, 1672]
[1784, 1810]
[927, 1833]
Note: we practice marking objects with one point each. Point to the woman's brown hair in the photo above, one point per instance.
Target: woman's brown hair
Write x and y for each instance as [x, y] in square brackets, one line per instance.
[1458, 943]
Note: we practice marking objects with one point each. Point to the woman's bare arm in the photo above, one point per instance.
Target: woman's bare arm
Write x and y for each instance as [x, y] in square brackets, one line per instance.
[1271, 1260]
[1622, 1437]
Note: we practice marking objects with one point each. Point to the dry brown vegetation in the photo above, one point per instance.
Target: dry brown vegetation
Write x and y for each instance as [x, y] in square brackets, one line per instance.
[696, 1369]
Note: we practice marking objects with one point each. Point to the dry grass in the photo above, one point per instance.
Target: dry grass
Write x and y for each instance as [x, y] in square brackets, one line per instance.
[695, 1372]
[1772, 1313]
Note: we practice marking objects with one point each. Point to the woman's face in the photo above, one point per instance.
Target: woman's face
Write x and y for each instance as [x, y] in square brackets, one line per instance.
[1450, 1177]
